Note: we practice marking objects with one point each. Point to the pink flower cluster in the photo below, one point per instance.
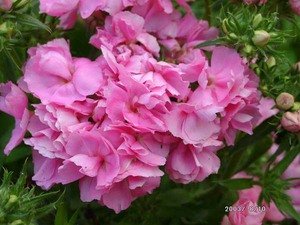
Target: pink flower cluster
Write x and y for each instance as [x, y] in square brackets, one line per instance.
[67, 10]
[112, 123]
[248, 212]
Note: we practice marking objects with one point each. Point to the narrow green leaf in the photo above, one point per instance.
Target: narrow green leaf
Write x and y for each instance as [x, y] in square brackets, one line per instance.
[256, 152]
[236, 184]
[209, 43]
[29, 20]
[61, 217]
[285, 207]
[259, 132]
[280, 167]
[282, 147]
[74, 217]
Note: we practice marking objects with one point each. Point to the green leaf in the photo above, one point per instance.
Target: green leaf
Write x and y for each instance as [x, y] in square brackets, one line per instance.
[285, 144]
[257, 152]
[280, 167]
[61, 217]
[74, 218]
[29, 20]
[236, 184]
[210, 43]
[175, 197]
[285, 206]
[259, 133]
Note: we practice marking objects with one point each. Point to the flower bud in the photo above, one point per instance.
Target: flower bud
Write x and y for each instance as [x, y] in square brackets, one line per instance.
[291, 121]
[12, 200]
[257, 20]
[5, 5]
[233, 37]
[271, 62]
[261, 38]
[224, 26]
[285, 101]
[247, 49]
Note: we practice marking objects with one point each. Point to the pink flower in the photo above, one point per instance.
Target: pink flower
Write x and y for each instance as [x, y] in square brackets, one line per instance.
[136, 148]
[272, 213]
[293, 171]
[225, 79]
[57, 7]
[187, 163]
[5, 5]
[45, 170]
[295, 6]
[125, 28]
[266, 110]
[14, 102]
[64, 86]
[252, 194]
[134, 103]
[135, 179]
[294, 194]
[90, 155]
[233, 87]
[47, 142]
[248, 215]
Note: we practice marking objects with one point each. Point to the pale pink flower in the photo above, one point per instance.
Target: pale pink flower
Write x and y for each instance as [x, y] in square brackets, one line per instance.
[47, 142]
[6, 5]
[125, 28]
[57, 7]
[135, 179]
[225, 79]
[134, 103]
[73, 81]
[187, 163]
[250, 215]
[90, 155]
[272, 213]
[294, 194]
[45, 170]
[266, 109]
[14, 102]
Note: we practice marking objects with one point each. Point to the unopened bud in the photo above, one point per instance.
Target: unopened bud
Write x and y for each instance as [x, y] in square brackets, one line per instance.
[271, 62]
[11, 201]
[247, 49]
[225, 25]
[261, 38]
[291, 121]
[285, 101]
[233, 37]
[257, 20]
